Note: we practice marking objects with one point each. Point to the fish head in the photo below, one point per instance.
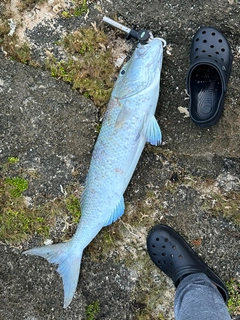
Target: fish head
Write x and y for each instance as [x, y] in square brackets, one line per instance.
[141, 71]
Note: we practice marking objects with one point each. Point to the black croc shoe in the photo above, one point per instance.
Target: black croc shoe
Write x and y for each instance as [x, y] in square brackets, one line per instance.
[172, 255]
[208, 75]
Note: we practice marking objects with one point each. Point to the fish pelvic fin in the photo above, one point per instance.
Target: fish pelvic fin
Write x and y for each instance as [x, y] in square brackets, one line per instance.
[117, 213]
[64, 255]
[152, 132]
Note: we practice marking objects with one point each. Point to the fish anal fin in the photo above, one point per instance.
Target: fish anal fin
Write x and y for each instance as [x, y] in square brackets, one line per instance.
[117, 213]
[152, 131]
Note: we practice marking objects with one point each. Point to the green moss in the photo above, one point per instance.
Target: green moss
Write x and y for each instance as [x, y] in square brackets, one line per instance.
[98, 127]
[66, 14]
[4, 23]
[16, 185]
[73, 206]
[80, 8]
[234, 296]
[4, 30]
[92, 310]
[16, 225]
[10, 43]
[22, 54]
[89, 66]
[16, 51]
[19, 220]
[13, 160]
[85, 40]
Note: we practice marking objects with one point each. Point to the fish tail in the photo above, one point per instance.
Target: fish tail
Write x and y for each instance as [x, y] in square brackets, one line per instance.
[64, 255]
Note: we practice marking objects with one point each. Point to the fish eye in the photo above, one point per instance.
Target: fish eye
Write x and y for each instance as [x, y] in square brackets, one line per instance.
[123, 72]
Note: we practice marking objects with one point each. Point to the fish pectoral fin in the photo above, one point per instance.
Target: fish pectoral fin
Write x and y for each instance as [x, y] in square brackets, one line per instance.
[123, 116]
[152, 131]
[117, 213]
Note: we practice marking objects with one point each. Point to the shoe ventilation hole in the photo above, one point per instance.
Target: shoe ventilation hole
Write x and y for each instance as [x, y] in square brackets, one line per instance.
[217, 52]
[166, 240]
[163, 247]
[163, 254]
[196, 57]
[180, 256]
[210, 55]
[222, 49]
[197, 39]
[157, 239]
[153, 245]
[204, 41]
[216, 61]
[203, 32]
[222, 59]
[212, 46]
[171, 255]
[220, 40]
[173, 247]
[154, 254]
[159, 261]
[196, 49]
[213, 33]
[203, 50]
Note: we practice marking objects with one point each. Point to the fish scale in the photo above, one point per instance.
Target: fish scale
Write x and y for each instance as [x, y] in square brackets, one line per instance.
[128, 124]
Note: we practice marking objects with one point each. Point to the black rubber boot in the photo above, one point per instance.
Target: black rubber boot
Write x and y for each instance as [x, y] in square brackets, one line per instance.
[172, 254]
[208, 75]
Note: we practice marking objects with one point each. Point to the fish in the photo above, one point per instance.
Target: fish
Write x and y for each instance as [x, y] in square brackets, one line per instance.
[129, 122]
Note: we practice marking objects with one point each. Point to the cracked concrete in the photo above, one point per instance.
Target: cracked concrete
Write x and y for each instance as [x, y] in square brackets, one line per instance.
[51, 129]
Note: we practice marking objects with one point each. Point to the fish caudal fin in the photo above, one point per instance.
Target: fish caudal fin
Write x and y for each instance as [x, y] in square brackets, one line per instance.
[64, 255]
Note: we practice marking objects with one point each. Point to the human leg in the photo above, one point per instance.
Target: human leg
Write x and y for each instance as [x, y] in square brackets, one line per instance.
[192, 277]
[197, 298]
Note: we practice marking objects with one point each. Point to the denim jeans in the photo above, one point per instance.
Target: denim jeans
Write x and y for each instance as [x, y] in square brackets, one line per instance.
[197, 298]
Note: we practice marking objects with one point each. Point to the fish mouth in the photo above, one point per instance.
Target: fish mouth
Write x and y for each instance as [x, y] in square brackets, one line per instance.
[146, 63]
[144, 49]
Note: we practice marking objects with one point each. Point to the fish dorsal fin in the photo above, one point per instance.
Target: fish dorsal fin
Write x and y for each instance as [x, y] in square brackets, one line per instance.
[152, 131]
[117, 213]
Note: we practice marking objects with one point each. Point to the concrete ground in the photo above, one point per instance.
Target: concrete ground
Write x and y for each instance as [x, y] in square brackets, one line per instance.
[191, 182]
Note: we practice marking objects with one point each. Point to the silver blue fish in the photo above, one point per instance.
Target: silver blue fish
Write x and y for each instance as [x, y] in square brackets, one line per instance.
[128, 124]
